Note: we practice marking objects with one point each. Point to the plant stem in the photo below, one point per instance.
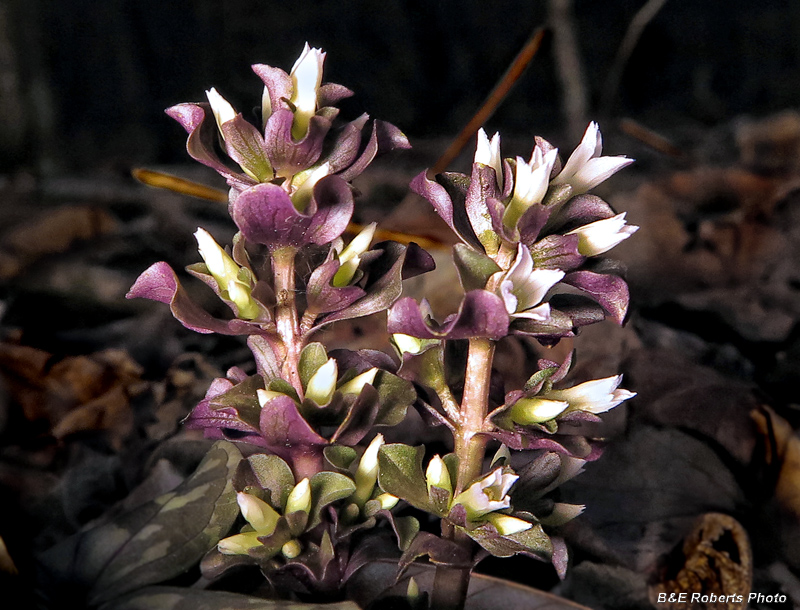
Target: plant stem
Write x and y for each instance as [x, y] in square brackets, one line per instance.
[286, 314]
[451, 582]
[470, 446]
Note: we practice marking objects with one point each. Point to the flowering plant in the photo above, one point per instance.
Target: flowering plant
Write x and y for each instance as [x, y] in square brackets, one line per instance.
[320, 492]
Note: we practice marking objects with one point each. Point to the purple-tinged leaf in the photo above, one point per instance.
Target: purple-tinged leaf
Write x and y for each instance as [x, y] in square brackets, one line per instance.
[331, 93]
[439, 550]
[322, 297]
[524, 439]
[557, 252]
[159, 283]
[265, 214]
[283, 427]
[482, 186]
[560, 557]
[199, 122]
[441, 198]
[610, 291]
[287, 155]
[345, 148]
[277, 82]
[579, 211]
[384, 281]
[267, 362]
[390, 138]
[360, 418]
[245, 145]
[531, 223]
[481, 314]
[581, 310]
[474, 267]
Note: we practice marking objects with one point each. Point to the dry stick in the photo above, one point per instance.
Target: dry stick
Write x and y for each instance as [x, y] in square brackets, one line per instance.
[495, 98]
[635, 29]
[569, 68]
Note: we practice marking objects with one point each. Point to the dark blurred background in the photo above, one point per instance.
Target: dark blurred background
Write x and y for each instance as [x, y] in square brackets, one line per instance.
[83, 83]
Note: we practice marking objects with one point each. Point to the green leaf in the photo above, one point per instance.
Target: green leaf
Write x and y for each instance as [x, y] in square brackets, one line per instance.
[177, 598]
[273, 475]
[340, 457]
[312, 357]
[155, 541]
[540, 377]
[326, 488]
[533, 541]
[400, 473]
[395, 396]
[284, 387]
[406, 529]
[243, 398]
[474, 268]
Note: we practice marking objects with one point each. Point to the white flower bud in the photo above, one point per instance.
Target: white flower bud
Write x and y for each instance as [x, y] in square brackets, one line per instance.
[488, 153]
[596, 396]
[238, 544]
[299, 498]
[258, 513]
[223, 111]
[527, 411]
[602, 235]
[291, 549]
[306, 77]
[507, 525]
[367, 472]
[437, 475]
[488, 495]
[585, 168]
[322, 384]
[357, 383]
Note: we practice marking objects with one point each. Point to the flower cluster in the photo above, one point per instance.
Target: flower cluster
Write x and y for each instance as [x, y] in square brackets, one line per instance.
[527, 228]
[318, 476]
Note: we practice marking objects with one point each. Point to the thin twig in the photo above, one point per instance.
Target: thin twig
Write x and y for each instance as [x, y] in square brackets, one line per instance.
[495, 98]
[569, 67]
[637, 25]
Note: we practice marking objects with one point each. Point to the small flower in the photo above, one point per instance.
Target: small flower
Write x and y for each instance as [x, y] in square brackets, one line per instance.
[367, 472]
[528, 411]
[260, 515]
[387, 501]
[488, 495]
[523, 288]
[350, 257]
[507, 525]
[406, 344]
[531, 181]
[596, 396]
[306, 78]
[602, 235]
[227, 274]
[291, 549]
[299, 499]
[488, 153]
[585, 168]
[303, 185]
[322, 384]
[357, 383]
[222, 110]
[437, 475]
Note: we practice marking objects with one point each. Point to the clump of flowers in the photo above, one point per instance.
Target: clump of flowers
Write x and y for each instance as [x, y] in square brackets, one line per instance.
[320, 484]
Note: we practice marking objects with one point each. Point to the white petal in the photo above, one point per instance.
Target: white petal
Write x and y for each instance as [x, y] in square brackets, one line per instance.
[595, 171]
[307, 77]
[590, 146]
[322, 384]
[223, 111]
